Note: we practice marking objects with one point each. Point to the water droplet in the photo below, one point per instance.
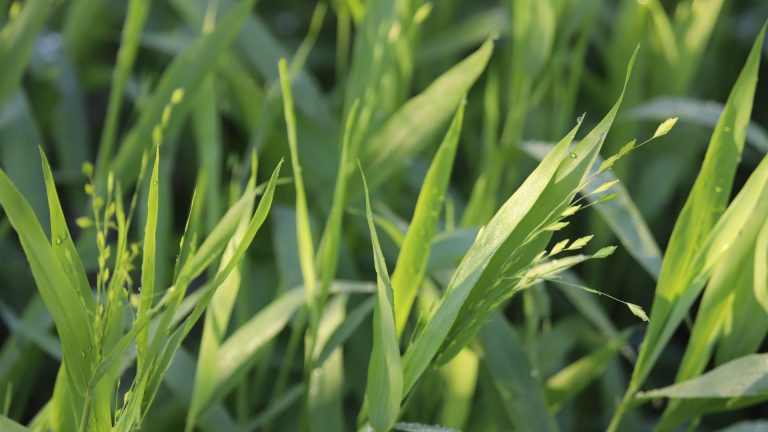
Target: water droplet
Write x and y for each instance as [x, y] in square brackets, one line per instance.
[727, 129]
[572, 155]
[534, 373]
[580, 118]
[154, 182]
[718, 189]
[58, 240]
[82, 354]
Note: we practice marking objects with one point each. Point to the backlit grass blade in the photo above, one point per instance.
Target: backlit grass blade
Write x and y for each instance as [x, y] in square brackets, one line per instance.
[414, 254]
[62, 299]
[405, 133]
[17, 42]
[384, 389]
[306, 245]
[148, 261]
[184, 75]
[702, 209]
[330, 244]
[129, 46]
[66, 253]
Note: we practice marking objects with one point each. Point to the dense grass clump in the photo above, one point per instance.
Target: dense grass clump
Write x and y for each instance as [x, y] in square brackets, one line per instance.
[383, 215]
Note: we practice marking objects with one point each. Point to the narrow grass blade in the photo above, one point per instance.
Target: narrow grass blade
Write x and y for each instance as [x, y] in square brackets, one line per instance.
[148, 261]
[384, 389]
[414, 254]
[66, 254]
[306, 246]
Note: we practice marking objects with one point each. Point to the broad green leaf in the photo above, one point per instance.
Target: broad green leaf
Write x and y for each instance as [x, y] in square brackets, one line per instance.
[701, 212]
[414, 253]
[62, 299]
[384, 389]
[405, 133]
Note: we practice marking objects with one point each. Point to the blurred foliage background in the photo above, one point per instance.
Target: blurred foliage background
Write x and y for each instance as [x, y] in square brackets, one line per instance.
[542, 76]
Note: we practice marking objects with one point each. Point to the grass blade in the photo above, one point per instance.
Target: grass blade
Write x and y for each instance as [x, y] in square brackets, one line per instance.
[414, 254]
[405, 133]
[702, 209]
[384, 389]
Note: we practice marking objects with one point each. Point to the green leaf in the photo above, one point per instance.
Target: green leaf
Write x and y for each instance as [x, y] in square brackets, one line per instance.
[184, 75]
[405, 133]
[62, 299]
[675, 290]
[303, 232]
[414, 254]
[65, 252]
[384, 388]
[513, 376]
[148, 261]
[741, 378]
[9, 425]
